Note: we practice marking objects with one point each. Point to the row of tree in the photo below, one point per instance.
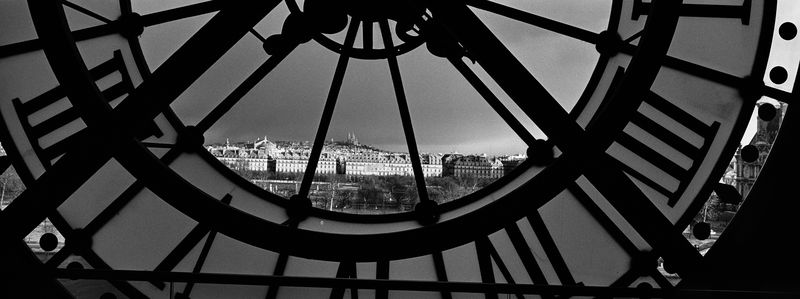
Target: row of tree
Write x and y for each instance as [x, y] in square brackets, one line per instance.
[393, 192]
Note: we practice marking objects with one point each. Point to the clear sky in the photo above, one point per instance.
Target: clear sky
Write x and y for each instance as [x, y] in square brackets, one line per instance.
[447, 113]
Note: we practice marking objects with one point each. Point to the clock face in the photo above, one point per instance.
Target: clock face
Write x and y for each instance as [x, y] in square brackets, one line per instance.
[90, 128]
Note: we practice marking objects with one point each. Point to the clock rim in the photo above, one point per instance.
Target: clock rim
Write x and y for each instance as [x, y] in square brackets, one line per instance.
[406, 215]
[300, 241]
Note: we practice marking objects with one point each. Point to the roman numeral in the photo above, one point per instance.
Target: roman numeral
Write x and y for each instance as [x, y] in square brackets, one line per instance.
[741, 12]
[441, 271]
[486, 254]
[673, 140]
[346, 270]
[35, 132]
[185, 246]
[382, 272]
[619, 236]
[550, 249]
[526, 255]
[643, 215]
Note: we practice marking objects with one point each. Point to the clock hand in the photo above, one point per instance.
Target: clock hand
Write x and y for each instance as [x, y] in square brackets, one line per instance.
[509, 73]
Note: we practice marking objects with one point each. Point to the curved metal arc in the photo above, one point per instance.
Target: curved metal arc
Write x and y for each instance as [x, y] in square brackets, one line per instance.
[583, 149]
[198, 205]
[759, 69]
[641, 73]
[767, 210]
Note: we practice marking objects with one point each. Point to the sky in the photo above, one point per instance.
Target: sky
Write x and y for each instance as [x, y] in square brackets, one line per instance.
[447, 114]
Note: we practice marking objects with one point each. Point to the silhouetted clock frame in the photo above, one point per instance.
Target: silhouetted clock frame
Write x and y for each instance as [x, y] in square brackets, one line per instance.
[611, 190]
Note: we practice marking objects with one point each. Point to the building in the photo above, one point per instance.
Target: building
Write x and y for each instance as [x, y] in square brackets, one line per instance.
[390, 164]
[352, 139]
[766, 132]
[347, 157]
[244, 156]
[474, 166]
[296, 162]
[431, 165]
[511, 162]
[448, 161]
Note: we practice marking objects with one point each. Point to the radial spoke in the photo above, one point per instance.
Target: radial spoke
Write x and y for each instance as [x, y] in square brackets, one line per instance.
[182, 12]
[535, 20]
[510, 74]
[243, 88]
[405, 115]
[112, 28]
[258, 35]
[86, 11]
[191, 60]
[367, 35]
[493, 101]
[327, 113]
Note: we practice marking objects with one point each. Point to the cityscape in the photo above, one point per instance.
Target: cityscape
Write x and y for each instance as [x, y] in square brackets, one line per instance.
[398, 149]
[359, 178]
[354, 177]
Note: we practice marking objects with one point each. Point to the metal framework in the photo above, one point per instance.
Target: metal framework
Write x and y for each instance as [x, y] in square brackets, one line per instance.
[459, 32]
